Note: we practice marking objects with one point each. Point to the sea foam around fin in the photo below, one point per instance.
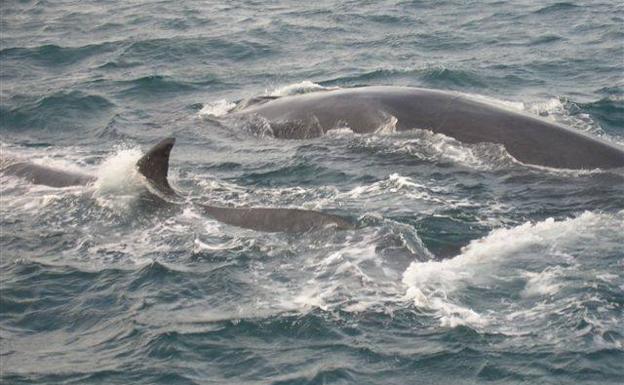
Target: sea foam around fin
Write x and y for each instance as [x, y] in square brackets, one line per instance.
[118, 182]
[118, 172]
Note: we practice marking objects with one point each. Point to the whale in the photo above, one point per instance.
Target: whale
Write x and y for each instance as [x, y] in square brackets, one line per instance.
[154, 168]
[44, 175]
[529, 139]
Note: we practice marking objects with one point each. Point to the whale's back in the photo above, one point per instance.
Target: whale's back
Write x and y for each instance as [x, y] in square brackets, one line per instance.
[529, 139]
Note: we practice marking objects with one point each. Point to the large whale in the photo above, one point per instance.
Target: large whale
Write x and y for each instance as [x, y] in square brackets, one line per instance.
[527, 138]
[154, 166]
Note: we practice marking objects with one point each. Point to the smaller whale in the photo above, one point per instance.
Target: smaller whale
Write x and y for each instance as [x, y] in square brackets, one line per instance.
[154, 166]
[44, 175]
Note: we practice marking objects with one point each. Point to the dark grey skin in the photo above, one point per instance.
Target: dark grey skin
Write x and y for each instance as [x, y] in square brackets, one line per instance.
[154, 166]
[528, 139]
[276, 219]
[37, 174]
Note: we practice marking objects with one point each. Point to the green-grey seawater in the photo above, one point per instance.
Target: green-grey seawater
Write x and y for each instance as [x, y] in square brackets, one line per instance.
[464, 267]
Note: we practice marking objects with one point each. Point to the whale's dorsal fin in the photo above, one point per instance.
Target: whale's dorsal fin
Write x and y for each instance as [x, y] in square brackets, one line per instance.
[154, 166]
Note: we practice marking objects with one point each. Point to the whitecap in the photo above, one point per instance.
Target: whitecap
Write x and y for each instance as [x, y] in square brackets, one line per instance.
[302, 87]
[542, 254]
[216, 109]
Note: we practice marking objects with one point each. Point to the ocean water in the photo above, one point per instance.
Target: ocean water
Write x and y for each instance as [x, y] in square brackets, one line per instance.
[465, 266]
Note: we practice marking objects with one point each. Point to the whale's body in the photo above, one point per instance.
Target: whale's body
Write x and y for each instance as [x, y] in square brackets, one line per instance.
[527, 138]
[44, 175]
[154, 166]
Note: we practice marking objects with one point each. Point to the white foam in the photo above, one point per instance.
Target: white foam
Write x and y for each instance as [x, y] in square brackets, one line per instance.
[118, 181]
[542, 283]
[454, 150]
[337, 271]
[545, 107]
[451, 315]
[118, 173]
[310, 298]
[498, 256]
[436, 147]
[408, 189]
[217, 108]
[339, 132]
[388, 127]
[229, 244]
[505, 104]
[297, 88]
[394, 183]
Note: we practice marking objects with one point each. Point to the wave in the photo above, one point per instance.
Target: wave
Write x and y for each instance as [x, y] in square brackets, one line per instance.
[542, 259]
[153, 86]
[302, 87]
[65, 110]
[547, 39]
[556, 8]
[433, 76]
[609, 112]
[51, 55]
[188, 49]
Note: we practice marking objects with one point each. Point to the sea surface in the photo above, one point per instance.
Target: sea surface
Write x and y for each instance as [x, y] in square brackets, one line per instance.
[464, 267]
